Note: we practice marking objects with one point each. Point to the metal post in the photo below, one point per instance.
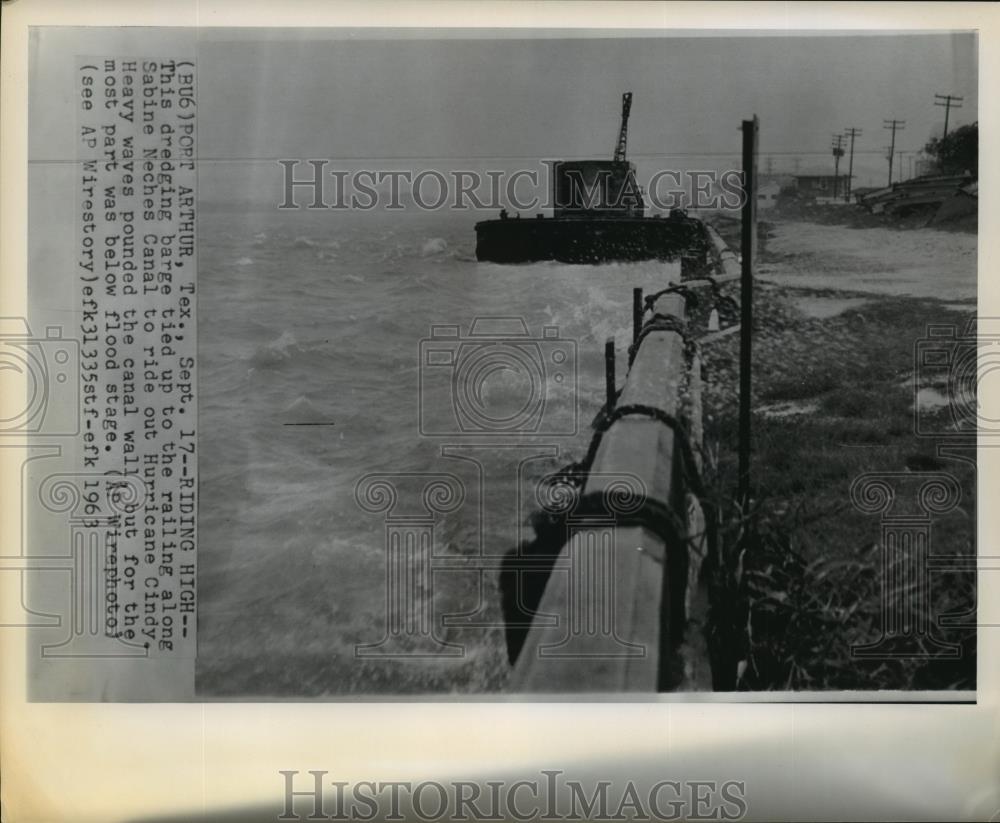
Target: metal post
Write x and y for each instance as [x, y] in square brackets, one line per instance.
[894, 126]
[747, 249]
[609, 374]
[637, 312]
[852, 133]
[838, 152]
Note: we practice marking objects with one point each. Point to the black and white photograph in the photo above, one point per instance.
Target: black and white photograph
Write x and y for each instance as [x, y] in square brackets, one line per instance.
[501, 364]
[532, 363]
[444, 452]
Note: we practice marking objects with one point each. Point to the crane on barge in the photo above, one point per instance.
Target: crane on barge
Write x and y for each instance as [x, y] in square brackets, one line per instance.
[598, 215]
[623, 132]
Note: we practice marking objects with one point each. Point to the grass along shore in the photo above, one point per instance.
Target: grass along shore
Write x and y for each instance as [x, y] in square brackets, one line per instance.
[833, 398]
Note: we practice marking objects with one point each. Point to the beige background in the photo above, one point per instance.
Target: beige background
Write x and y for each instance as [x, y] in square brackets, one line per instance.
[111, 762]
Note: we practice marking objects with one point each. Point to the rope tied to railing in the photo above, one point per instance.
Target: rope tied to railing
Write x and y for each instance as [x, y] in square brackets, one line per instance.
[689, 294]
[727, 307]
[682, 438]
[576, 474]
[665, 322]
[638, 512]
[628, 509]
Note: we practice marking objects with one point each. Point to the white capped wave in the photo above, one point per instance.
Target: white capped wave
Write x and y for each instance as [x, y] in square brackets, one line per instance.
[277, 351]
[434, 245]
[303, 410]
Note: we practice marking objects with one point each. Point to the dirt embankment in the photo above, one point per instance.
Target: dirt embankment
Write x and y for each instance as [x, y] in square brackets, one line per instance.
[857, 217]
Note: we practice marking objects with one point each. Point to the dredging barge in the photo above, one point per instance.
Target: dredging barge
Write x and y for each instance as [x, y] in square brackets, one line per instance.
[598, 216]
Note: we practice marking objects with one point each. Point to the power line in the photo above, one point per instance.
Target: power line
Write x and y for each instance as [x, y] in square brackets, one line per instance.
[333, 158]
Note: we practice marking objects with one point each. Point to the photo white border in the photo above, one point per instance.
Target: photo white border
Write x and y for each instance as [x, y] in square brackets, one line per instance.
[108, 762]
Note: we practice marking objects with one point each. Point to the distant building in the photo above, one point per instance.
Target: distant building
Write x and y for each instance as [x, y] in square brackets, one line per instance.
[924, 166]
[767, 195]
[819, 184]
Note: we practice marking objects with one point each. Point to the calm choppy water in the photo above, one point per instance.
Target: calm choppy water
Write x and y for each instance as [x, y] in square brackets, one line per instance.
[315, 317]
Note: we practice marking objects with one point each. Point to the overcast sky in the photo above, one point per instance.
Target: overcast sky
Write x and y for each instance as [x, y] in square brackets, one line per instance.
[510, 99]
[418, 100]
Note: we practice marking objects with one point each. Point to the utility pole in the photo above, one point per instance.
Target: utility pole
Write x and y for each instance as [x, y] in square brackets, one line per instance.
[838, 151]
[894, 125]
[748, 245]
[852, 133]
[949, 101]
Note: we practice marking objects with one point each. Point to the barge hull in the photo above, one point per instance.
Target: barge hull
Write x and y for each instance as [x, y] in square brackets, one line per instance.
[589, 240]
